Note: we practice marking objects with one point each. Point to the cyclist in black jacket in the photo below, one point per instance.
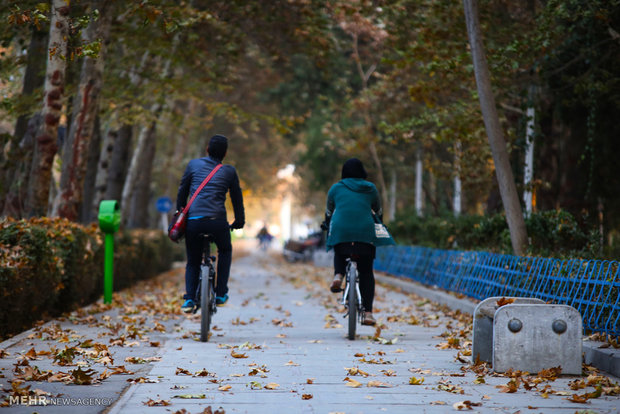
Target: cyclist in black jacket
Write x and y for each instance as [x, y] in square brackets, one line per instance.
[207, 214]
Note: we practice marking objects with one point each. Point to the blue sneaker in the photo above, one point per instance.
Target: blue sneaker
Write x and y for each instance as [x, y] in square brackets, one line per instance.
[220, 300]
[188, 306]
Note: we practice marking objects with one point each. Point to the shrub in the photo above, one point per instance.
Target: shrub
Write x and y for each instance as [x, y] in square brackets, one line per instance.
[551, 234]
[49, 266]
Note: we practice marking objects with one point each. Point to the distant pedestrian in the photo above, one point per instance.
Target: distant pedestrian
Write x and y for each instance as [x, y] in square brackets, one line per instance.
[264, 238]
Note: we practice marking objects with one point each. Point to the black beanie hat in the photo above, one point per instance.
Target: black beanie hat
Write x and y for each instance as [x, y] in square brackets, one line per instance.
[218, 146]
[353, 168]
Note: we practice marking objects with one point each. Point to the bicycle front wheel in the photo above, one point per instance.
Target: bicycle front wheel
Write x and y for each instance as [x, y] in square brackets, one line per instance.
[206, 290]
[352, 300]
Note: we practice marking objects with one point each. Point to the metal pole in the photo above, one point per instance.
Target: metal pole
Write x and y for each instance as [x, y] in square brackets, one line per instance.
[108, 268]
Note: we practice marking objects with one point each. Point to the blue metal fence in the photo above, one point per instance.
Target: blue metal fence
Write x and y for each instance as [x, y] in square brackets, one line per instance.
[590, 286]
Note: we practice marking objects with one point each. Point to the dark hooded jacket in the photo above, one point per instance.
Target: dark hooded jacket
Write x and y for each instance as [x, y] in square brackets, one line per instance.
[350, 206]
[210, 202]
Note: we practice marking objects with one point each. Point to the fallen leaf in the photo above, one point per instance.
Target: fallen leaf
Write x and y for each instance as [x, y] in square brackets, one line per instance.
[81, 377]
[255, 385]
[416, 381]
[306, 396]
[352, 383]
[271, 386]
[120, 370]
[378, 384]
[503, 301]
[153, 403]
[225, 387]
[291, 364]
[511, 387]
[182, 371]
[143, 380]
[356, 371]
[191, 396]
[465, 405]
[446, 386]
[237, 354]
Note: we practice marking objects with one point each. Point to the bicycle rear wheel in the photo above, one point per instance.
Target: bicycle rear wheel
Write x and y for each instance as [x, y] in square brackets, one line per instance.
[206, 291]
[352, 299]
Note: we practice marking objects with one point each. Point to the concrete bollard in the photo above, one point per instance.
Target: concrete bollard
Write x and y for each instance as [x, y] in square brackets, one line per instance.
[482, 342]
[532, 337]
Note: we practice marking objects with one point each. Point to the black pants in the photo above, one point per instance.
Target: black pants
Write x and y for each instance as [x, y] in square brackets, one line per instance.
[364, 255]
[193, 245]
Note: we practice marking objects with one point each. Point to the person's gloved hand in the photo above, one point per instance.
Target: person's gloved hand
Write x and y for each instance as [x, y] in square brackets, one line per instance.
[237, 225]
[324, 226]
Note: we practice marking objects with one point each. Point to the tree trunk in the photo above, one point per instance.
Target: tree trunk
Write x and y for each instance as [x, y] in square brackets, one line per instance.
[180, 147]
[15, 200]
[90, 178]
[119, 158]
[382, 185]
[103, 170]
[75, 149]
[139, 210]
[19, 155]
[34, 77]
[431, 192]
[419, 196]
[528, 170]
[505, 179]
[364, 76]
[47, 135]
[392, 212]
[134, 167]
[132, 174]
[457, 204]
[119, 163]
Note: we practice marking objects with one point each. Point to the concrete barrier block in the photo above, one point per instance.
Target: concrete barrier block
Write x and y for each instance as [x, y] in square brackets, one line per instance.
[532, 337]
[482, 342]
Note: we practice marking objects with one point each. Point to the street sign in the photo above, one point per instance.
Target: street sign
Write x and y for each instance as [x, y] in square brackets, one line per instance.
[164, 204]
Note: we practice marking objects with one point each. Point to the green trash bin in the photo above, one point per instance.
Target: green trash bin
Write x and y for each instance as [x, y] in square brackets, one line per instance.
[109, 222]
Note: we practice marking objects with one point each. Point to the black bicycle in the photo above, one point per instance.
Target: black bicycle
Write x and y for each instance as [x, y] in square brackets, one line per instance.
[205, 293]
[351, 297]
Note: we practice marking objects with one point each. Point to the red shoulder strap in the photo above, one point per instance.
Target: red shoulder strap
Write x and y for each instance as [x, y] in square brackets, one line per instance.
[204, 182]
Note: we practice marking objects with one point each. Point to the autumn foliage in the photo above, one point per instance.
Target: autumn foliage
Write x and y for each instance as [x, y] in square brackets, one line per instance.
[49, 266]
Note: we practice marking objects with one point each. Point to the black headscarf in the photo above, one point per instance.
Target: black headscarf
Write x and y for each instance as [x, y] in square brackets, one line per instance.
[353, 168]
[217, 147]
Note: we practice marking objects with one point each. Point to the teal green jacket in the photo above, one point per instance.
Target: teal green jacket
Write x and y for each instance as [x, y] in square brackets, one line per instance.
[351, 203]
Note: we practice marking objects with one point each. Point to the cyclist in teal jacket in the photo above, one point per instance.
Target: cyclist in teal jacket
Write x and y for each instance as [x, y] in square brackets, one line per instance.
[353, 208]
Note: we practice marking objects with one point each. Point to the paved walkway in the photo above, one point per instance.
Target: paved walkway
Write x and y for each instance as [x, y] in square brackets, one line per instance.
[279, 345]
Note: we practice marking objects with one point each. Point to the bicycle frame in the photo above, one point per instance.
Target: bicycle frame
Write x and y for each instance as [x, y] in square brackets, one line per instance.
[352, 266]
[205, 294]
